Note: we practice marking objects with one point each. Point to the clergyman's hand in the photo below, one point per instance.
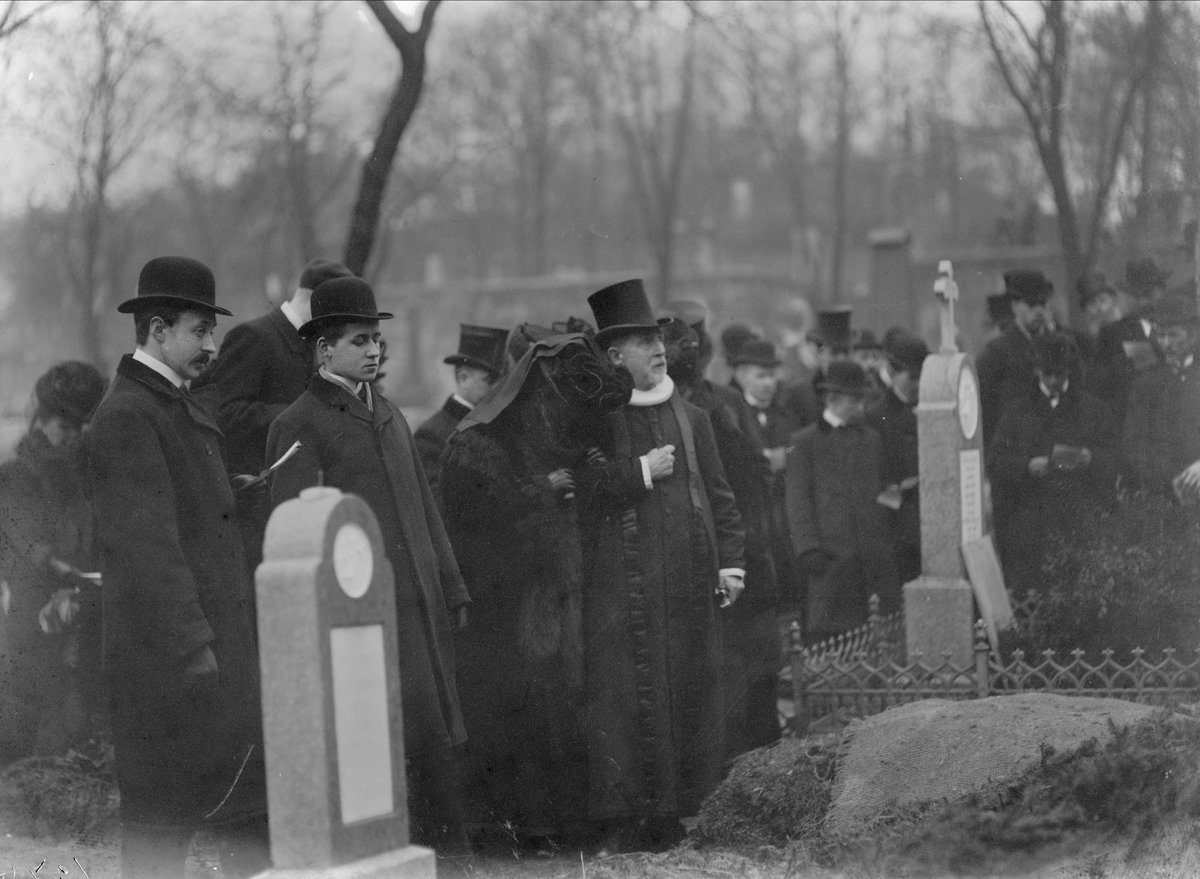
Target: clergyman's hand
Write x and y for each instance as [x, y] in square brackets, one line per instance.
[661, 461]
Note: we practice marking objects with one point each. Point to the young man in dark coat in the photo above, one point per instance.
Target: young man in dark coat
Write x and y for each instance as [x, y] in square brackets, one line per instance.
[664, 544]
[1162, 421]
[839, 533]
[1052, 461]
[262, 367]
[353, 439]
[894, 416]
[179, 652]
[477, 364]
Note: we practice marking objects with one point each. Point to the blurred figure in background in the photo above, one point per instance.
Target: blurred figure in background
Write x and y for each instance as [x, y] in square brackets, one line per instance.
[867, 352]
[833, 338]
[50, 682]
[999, 315]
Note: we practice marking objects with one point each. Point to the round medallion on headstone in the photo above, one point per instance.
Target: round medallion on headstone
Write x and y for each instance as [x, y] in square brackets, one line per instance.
[968, 402]
[353, 560]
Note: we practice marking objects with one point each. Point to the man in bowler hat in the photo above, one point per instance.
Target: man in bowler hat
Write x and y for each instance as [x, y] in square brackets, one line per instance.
[477, 364]
[839, 535]
[664, 549]
[354, 439]
[179, 651]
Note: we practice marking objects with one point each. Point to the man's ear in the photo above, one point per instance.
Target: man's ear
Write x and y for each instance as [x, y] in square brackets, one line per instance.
[614, 356]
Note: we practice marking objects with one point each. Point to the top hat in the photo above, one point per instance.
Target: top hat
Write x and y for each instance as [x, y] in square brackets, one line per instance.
[174, 280]
[756, 352]
[906, 352]
[342, 299]
[691, 313]
[1175, 310]
[1056, 353]
[847, 377]
[480, 347]
[622, 306]
[999, 307]
[1029, 286]
[318, 271]
[1143, 275]
[833, 327]
[1091, 285]
[864, 340]
[733, 337]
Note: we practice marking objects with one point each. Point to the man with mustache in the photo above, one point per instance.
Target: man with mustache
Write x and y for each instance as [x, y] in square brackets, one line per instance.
[180, 658]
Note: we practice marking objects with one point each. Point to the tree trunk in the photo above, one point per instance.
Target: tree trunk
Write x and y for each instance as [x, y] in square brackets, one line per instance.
[841, 160]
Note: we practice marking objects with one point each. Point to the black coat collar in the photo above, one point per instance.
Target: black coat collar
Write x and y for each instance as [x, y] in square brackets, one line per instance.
[455, 409]
[341, 398]
[143, 375]
[288, 334]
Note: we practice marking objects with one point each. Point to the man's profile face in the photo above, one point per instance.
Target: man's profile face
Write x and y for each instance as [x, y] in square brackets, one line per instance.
[644, 355]
[188, 344]
[848, 407]
[1176, 342]
[759, 382]
[1032, 317]
[355, 356]
[472, 383]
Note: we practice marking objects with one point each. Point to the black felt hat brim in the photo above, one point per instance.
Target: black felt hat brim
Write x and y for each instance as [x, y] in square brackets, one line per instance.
[466, 360]
[138, 303]
[848, 390]
[608, 332]
[315, 325]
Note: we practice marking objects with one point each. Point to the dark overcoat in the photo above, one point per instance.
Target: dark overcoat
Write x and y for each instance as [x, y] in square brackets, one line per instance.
[652, 556]
[174, 582]
[896, 422]
[1113, 373]
[1028, 508]
[1162, 425]
[371, 454]
[433, 434]
[832, 485]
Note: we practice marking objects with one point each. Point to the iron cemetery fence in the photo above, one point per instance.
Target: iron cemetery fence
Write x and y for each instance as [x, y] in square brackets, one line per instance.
[866, 671]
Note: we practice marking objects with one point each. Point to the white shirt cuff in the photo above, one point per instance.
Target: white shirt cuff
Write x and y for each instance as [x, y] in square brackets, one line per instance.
[646, 472]
[732, 572]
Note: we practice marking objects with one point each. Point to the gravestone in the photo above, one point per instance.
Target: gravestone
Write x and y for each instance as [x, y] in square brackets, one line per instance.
[938, 605]
[332, 724]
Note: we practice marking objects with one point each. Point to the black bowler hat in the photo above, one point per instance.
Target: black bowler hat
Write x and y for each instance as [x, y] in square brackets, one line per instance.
[906, 352]
[733, 337]
[756, 352]
[1029, 286]
[174, 280]
[833, 327]
[866, 340]
[1057, 354]
[1093, 284]
[342, 300]
[623, 306]
[847, 377]
[318, 271]
[480, 347]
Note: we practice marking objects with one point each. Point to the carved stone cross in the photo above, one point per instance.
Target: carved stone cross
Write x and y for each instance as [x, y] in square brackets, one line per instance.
[947, 291]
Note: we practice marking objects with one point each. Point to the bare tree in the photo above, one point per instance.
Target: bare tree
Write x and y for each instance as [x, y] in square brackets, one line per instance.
[407, 94]
[15, 15]
[1034, 62]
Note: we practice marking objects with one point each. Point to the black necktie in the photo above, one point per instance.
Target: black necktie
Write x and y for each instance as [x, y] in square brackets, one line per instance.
[362, 394]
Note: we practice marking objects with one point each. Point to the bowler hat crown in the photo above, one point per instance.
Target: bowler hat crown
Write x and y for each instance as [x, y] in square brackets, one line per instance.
[622, 306]
[1091, 285]
[847, 377]
[1143, 275]
[480, 347]
[833, 327]
[733, 337]
[756, 352]
[1029, 286]
[865, 340]
[906, 352]
[339, 300]
[174, 280]
[1055, 353]
[318, 271]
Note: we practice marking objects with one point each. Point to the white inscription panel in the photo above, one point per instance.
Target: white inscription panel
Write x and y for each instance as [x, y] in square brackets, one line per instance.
[970, 483]
[360, 718]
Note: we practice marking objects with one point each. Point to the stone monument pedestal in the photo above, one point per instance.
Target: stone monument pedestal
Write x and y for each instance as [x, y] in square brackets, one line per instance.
[411, 862]
[935, 609]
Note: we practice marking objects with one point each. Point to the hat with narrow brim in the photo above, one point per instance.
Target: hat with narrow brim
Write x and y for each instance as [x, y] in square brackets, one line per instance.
[177, 281]
[480, 347]
[342, 300]
[847, 377]
[756, 352]
[623, 307]
[833, 327]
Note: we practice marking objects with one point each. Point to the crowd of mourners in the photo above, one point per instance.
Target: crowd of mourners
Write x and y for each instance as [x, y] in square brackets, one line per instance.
[597, 549]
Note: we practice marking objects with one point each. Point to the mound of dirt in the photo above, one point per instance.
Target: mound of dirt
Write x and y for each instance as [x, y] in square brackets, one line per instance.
[58, 798]
[936, 751]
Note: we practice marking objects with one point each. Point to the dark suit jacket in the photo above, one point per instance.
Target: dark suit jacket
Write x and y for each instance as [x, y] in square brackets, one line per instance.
[1113, 373]
[1162, 425]
[174, 582]
[896, 422]
[432, 436]
[371, 454]
[263, 367]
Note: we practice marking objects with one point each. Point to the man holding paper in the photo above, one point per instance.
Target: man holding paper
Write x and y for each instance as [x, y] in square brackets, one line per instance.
[1052, 460]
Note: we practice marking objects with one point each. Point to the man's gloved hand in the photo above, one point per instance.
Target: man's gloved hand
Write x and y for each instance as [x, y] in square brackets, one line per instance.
[253, 495]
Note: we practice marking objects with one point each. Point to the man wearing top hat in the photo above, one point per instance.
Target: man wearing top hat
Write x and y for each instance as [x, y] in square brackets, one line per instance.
[477, 364]
[894, 416]
[839, 535]
[263, 366]
[179, 652]
[664, 552]
[833, 337]
[354, 439]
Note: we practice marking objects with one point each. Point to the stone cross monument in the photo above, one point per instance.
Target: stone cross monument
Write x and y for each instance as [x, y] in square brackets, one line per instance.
[938, 605]
[332, 725]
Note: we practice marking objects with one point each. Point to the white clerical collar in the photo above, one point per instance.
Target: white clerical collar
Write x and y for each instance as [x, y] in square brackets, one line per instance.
[290, 313]
[353, 388]
[832, 420]
[660, 393]
[460, 401]
[158, 366]
[1054, 398]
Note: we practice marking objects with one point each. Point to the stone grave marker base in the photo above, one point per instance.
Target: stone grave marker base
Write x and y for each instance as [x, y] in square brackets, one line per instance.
[410, 862]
